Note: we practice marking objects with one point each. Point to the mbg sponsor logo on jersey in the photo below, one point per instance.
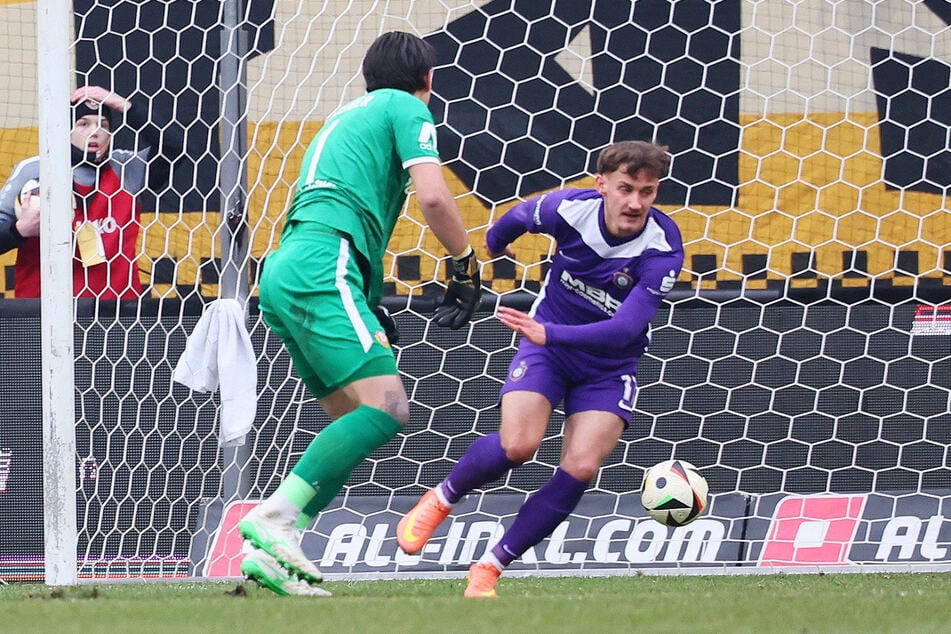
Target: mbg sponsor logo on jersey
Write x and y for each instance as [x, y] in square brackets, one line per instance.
[597, 296]
[427, 137]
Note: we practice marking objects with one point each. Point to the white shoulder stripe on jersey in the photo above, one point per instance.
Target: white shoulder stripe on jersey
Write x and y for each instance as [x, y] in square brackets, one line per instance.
[419, 160]
[583, 216]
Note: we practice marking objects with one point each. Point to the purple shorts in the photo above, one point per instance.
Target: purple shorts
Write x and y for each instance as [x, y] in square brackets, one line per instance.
[582, 386]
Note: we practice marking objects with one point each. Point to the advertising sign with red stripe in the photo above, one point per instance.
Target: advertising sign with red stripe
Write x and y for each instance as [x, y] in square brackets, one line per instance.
[608, 532]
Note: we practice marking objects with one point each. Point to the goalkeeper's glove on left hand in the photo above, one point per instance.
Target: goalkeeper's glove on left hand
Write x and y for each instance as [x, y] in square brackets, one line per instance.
[386, 321]
[463, 293]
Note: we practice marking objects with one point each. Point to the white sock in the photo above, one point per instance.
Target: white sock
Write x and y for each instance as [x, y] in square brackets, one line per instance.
[490, 558]
[441, 495]
[278, 508]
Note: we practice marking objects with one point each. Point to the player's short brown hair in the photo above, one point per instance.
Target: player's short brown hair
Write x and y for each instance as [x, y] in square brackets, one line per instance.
[634, 156]
[398, 60]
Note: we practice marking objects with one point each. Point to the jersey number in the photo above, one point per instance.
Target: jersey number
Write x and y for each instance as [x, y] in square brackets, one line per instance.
[630, 391]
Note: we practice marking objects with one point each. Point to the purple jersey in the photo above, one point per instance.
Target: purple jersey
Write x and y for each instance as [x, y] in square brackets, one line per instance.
[601, 292]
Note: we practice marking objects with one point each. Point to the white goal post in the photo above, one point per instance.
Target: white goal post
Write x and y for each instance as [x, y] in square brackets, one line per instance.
[802, 362]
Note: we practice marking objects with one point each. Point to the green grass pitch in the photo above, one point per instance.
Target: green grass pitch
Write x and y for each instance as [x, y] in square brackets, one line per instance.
[881, 602]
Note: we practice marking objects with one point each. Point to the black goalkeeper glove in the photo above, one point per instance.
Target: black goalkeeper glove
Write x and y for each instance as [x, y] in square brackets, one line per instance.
[462, 294]
[389, 326]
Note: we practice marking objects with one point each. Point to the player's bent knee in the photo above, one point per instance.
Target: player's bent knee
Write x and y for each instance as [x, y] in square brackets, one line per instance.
[581, 471]
[520, 453]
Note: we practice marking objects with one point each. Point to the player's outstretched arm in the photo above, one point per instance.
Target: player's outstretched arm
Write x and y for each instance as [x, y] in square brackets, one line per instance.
[464, 289]
[439, 207]
[507, 251]
[524, 325]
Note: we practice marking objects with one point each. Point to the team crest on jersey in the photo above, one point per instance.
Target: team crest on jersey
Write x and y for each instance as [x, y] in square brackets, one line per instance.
[622, 279]
[518, 371]
[380, 336]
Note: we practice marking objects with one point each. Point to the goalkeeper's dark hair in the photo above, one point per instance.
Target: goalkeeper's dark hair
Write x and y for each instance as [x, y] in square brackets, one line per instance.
[634, 156]
[398, 60]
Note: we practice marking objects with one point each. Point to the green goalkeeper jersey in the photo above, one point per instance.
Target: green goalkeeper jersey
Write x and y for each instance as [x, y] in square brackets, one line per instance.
[354, 176]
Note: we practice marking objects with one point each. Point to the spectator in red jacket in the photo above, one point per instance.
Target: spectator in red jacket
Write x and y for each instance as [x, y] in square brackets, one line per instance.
[106, 219]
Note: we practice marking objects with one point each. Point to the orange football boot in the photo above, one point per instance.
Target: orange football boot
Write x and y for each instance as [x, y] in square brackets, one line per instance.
[417, 526]
[482, 580]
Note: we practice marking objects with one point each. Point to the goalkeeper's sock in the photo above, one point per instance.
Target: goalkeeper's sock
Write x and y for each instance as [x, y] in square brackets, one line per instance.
[286, 503]
[338, 448]
[540, 515]
[325, 495]
[303, 521]
[484, 462]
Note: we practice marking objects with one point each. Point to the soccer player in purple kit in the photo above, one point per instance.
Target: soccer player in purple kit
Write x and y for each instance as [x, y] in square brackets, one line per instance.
[617, 258]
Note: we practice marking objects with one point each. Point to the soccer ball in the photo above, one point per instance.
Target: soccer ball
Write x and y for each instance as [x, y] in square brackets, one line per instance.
[674, 492]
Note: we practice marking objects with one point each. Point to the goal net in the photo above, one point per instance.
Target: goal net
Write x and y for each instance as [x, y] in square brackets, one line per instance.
[802, 362]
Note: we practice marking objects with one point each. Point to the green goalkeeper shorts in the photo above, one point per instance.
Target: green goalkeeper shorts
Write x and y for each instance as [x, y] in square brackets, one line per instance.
[311, 296]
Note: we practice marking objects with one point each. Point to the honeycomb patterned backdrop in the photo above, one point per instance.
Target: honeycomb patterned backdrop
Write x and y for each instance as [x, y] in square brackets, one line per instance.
[809, 139]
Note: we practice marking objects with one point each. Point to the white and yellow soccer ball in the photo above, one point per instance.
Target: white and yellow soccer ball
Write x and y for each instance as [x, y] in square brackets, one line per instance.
[674, 492]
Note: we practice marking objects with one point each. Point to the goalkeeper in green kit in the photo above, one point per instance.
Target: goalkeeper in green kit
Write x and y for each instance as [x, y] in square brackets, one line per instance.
[320, 292]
